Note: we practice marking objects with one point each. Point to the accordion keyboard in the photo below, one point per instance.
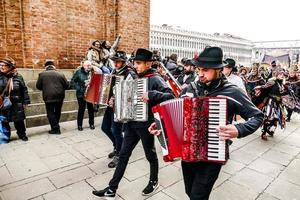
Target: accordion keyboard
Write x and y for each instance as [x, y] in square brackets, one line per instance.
[217, 117]
[141, 107]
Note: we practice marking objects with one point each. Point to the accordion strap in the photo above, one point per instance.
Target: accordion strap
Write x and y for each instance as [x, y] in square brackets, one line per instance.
[150, 75]
[194, 87]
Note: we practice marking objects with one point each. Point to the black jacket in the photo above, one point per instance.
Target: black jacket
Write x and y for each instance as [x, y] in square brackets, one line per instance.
[238, 103]
[158, 91]
[19, 97]
[191, 77]
[53, 85]
[3, 83]
[78, 82]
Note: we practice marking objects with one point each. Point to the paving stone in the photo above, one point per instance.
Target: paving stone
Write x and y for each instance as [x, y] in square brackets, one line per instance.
[221, 179]
[5, 176]
[231, 167]
[133, 190]
[243, 141]
[176, 191]
[72, 176]
[292, 140]
[29, 190]
[60, 161]
[287, 148]
[38, 198]
[160, 196]
[169, 175]
[244, 157]
[252, 179]
[77, 191]
[282, 189]
[257, 146]
[137, 154]
[291, 173]
[101, 181]
[50, 147]
[137, 169]
[266, 196]
[99, 166]
[266, 167]
[25, 168]
[278, 157]
[233, 191]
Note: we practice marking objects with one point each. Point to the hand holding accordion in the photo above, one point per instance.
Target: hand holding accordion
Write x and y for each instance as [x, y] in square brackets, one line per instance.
[188, 129]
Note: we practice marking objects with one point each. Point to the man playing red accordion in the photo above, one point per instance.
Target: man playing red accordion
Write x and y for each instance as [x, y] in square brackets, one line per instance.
[199, 177]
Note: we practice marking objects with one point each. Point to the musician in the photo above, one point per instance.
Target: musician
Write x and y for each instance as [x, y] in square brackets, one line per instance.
[158, 92]
[188, 74]
[111, 128]
[229, 71]
[199, 177]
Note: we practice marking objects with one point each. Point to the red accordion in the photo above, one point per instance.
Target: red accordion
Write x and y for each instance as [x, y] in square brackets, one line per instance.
[188, 128]
[98, 91]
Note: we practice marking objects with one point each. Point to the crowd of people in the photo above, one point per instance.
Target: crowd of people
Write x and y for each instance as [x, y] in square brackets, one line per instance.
[259, 94]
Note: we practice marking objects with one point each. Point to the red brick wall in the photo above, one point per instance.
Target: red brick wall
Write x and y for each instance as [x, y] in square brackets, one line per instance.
[35, 30]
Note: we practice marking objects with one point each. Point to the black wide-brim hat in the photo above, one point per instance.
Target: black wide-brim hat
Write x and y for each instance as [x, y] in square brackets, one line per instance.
[120, 56]
[210, 57]
[143, 55]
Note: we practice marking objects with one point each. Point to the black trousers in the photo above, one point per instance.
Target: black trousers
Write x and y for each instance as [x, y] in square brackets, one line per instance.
[112, 129]
[289, 113]
[82, 104]
[53, 113]
[131, 138]
[199, 178]
[20, 127]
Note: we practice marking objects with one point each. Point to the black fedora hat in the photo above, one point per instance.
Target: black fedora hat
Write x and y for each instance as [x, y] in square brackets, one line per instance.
[210, 57]
[120, 56]
[231, 64]
[189, 62]
[143, 55]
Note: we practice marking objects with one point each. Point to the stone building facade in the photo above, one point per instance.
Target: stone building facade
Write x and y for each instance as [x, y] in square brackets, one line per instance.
[185, 43]
[32, 31]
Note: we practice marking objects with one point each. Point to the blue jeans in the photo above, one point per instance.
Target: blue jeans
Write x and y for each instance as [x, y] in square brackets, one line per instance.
[112, 129]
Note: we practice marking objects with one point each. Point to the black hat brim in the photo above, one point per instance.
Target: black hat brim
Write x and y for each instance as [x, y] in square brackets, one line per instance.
[118, 59]
[143, 59]
[212, 65]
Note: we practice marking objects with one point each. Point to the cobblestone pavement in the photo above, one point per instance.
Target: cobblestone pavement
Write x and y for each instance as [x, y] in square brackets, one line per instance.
[71, 165]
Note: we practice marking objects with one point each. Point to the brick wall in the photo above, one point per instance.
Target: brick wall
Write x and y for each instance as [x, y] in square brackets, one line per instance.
[34, 30]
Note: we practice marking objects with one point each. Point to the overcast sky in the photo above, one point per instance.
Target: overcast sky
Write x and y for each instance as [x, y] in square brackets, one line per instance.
[256, 20]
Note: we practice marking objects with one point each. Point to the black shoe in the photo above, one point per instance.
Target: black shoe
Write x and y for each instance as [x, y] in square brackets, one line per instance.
[150, 188]
[55, 132]
[24, 138]
[288, 120]
[108, 193]
[80, 128]
[92, 127]
[112, 154]
[114, 162]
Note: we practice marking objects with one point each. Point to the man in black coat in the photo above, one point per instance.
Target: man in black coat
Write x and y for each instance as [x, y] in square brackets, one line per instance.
[188, 74]
[111, 128]
[199, 177]
[158, 91]
[53, 85]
